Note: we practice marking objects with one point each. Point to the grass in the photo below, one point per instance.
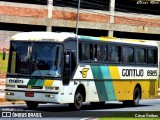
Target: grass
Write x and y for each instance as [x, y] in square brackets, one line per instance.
[159, 81]
[3, 65]
[125, 118]
[132, 116]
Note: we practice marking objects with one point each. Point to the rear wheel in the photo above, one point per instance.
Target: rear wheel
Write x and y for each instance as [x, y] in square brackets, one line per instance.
[136, 98]
[32, 105]
[78, 100]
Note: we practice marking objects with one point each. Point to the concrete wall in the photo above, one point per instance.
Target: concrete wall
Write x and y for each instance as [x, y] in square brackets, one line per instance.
[5, 37]
[65, 17]
[18, 13]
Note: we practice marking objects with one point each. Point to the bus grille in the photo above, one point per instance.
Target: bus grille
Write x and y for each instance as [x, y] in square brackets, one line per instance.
[31, 87]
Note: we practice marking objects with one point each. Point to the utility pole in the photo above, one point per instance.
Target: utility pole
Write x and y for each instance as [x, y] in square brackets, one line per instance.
[77, 20]
[50, 9]
[112, 13]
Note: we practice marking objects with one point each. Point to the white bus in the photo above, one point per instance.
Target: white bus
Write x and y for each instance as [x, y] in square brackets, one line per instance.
[42, 68]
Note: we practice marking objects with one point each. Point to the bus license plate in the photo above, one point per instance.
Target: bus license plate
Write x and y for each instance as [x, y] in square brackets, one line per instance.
[29, 94]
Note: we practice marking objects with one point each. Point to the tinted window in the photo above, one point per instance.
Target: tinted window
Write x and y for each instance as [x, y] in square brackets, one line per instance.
[91, 52]
[140, 55]
[105, 53]
[115, 54]
[100, 52]
[152, 56]
[128, 55]
[85, 51]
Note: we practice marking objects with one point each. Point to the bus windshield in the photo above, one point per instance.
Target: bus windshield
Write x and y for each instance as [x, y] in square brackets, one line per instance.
[35, 59]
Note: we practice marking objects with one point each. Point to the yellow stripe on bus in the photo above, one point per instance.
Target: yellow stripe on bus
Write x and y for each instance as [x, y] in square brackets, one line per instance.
[119, 85]
[114, 72]
[48, 83]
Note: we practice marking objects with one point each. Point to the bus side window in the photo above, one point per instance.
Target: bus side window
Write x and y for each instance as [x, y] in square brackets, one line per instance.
[155, 56]
[85, 52]
[91, 52]
[128, 55]
[115, 54]
[95, 53]
[100, 52]
[105, 53]
[152, 56]
[140, 55]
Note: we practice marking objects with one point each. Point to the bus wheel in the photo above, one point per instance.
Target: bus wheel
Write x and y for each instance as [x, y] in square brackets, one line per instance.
[32, 105]
[97, 104]
[136, 98]
[78, 100]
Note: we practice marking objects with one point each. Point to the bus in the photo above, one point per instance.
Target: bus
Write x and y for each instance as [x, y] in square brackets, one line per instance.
[64, 68]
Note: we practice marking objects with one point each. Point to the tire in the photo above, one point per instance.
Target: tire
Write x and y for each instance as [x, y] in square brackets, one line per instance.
[136, 98]
[78, 100]
[97, 104]
[32, 105]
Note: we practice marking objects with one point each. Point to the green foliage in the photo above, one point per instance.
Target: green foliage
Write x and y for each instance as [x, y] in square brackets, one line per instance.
[3, 65]
[149, 115]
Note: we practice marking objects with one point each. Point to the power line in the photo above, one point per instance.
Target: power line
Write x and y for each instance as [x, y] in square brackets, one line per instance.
[117, 16]
[129, 7]
[131, 19]
[90, 4]
[124, 10]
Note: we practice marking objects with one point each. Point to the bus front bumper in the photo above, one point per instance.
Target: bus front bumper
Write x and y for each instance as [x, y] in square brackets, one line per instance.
[37, 96]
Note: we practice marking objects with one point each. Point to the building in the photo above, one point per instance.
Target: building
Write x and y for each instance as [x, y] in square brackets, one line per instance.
[128, 19]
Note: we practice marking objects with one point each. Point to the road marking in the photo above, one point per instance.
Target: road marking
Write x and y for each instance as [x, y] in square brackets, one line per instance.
[90, 118]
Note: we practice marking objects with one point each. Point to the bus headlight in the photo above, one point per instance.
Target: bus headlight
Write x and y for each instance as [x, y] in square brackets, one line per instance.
[10, 93]
[49, 95]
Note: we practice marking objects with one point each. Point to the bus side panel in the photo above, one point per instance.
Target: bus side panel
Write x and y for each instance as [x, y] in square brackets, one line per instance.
[84, 76]
[121, 86]
[67, 94]
[97, 82]
[109, 83]
[146, 77]
[148, 88]
[103, 83]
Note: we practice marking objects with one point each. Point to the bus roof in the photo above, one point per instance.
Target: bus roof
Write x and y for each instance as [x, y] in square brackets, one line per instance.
[61, 36]
[42, 36]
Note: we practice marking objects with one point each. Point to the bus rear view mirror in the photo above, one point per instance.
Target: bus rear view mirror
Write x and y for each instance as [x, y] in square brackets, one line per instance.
[67, 59]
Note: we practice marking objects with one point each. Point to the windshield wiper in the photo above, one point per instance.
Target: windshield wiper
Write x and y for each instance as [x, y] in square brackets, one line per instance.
[17, 74]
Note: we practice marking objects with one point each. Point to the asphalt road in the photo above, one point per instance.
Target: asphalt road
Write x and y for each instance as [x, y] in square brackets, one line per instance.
[63, 112]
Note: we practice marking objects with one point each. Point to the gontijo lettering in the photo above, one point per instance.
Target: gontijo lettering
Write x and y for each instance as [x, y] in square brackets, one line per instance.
[132, 72]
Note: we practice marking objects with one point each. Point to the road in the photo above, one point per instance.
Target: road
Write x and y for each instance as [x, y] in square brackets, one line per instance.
[63, 112]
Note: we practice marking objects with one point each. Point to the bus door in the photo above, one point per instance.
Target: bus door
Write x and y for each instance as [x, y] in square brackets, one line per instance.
[69, 65]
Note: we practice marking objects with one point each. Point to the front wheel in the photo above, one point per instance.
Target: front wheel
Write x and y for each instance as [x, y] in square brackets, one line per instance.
[78, 100]
[32, 105]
